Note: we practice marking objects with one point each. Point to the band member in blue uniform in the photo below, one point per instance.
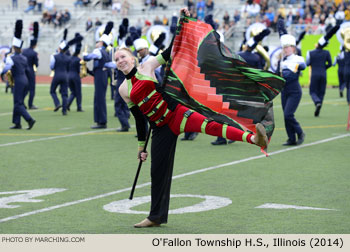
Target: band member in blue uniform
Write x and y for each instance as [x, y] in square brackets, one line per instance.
[74, 80]
[59, 62]
[100, 57]
[121, 108]
[18, 65]
[319, 61]
[290, 67]
[33, 63]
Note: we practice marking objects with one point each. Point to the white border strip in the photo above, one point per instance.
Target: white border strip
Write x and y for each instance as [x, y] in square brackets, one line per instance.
[174, 177]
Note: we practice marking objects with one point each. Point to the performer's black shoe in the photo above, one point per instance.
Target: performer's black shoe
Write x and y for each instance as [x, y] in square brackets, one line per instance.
[31, 124]
[230, 141]
[33, 107]
[341, 94]
[64, 113]
[219, 142]
[192, 136]
[98, 126]
[301, 138]
[318, 109]
[16, 126]
[57, 108]
[80, 110]
[289, 143]
[123, 129]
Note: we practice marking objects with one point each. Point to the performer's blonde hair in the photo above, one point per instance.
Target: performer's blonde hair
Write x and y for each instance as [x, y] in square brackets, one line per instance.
[128, 50]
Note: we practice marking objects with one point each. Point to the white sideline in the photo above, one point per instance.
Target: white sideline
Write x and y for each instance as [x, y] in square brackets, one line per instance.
[56, 137]
[174, 177]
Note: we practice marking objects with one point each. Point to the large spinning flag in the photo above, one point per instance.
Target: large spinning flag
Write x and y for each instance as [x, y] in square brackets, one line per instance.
[207, 77]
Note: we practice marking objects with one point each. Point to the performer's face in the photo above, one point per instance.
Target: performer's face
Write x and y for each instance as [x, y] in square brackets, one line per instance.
[288, 50]
[124, 60]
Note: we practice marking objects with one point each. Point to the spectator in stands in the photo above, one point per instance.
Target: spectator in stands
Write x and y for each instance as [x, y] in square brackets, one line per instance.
[46, 18]
[125, 8]
[86, 3]
[236, 16]
[282, 11]
[14, 4]
[200, 13]
[153, 4]
[200, 4]
[157, 21]
[78, 2]
[209, 7]
[98, 23]
[340, 15]
[308, 19]
[66, 16]
[190, 5]
[165, 20]
[116, 7]
[89, 24]
[49, 5]
[106, 4]
[31, 6]
[266, 21]
[226, 18]
[250, 9]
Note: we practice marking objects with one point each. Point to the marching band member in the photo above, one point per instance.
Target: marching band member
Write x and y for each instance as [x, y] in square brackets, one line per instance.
[319, 61]
[33, 63]
[290, 67]
[18, 65]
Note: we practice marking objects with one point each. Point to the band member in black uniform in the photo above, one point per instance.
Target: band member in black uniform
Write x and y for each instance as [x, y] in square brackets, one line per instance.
[33, 63]
[18, 65]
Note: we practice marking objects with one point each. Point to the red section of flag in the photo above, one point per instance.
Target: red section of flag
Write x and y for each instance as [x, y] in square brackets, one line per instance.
[185, 66]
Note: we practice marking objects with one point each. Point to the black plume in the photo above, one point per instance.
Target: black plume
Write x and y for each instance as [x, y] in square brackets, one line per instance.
[129, 41]
[122, 31]
[75, 40]
[35, 30]
[262, 35]
[65, 33]
[125, 23]
[281, 27]
[159, 41]
[108, 28]
[77, 49]
[331, 32]
[18, 29]
[300, 38]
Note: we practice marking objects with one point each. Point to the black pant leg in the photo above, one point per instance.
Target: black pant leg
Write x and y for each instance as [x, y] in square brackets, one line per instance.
[162, 163]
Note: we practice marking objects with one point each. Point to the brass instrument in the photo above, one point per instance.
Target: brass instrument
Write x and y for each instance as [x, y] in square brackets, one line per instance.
[343, 35]
[154, 32]
[10, 79]
[83, 67]
[252, 31]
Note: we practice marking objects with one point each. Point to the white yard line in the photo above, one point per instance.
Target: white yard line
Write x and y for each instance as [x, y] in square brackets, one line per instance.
[174, 177]
[56, 137]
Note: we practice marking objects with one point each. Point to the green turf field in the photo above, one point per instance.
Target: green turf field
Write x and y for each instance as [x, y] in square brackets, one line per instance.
[63, 176]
